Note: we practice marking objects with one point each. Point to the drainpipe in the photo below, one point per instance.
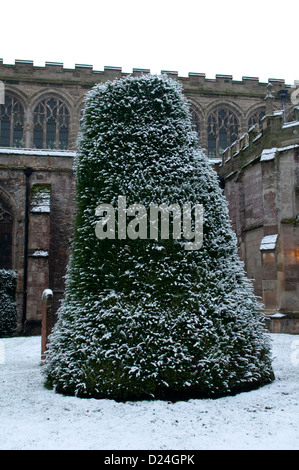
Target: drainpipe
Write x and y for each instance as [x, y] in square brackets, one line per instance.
[27, 172]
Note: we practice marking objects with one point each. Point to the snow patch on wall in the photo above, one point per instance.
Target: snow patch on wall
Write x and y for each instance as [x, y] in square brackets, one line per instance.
[40, 253]
[268, 242]
[268, 154]
[41, 200]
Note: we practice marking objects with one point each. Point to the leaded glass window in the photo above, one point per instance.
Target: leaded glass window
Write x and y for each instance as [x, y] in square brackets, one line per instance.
[223, 131]
[11, 122]
[51, 124]
[256, 118]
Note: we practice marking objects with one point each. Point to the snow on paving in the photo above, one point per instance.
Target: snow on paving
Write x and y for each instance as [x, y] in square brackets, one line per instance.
[33, 417]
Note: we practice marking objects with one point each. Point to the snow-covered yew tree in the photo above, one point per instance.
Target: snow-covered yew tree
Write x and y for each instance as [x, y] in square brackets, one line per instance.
[142, 317]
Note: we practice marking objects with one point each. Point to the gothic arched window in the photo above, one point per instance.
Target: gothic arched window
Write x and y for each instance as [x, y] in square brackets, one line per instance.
[256, 118]
[292, 114]
[11, 122]
[51, 124]
[222, 129]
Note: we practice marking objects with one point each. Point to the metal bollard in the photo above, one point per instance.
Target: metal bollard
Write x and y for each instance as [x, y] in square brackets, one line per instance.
[47, 298]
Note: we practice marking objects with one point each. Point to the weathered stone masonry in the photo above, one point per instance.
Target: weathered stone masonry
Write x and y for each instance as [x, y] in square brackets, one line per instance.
[262, 187]
[49, 225]
[39, 124]
[220, 107]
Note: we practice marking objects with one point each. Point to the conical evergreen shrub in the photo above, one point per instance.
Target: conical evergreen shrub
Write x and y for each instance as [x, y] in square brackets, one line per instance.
[143, 317]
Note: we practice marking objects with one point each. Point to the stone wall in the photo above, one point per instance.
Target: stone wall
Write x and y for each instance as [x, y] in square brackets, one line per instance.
[262, 191]
[261, 173]
[49, 225]
[30, 84]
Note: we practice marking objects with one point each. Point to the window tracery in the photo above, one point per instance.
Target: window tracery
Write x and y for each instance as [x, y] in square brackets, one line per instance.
[51, 120]
[256, 118]
[11, 122]
[222, 130]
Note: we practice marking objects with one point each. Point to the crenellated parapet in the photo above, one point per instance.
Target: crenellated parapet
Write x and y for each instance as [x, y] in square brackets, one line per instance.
[82, 72]
[222, 108]
[273, 134]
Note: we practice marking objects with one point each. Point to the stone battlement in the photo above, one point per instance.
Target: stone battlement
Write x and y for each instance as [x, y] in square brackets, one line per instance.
[274, 134]
[25, 70]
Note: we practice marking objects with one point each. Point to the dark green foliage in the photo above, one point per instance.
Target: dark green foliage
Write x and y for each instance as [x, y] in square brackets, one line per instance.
[147, 318]
[8, 311]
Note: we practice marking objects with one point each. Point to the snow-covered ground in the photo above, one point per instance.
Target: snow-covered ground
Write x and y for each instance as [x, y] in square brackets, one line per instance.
[33, 417]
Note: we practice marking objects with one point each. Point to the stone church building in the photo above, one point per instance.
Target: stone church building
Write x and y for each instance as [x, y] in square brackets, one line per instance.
[249, 130]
